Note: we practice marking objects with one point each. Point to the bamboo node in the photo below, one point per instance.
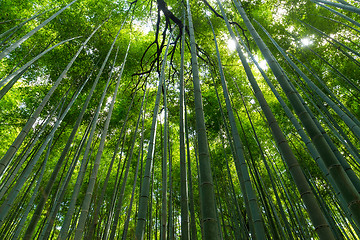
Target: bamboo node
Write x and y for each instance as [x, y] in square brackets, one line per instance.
[307, 192]
[208, 219]
[333, 166]
[321, 226]
[316, 136]
[203, 183]
[353, 203]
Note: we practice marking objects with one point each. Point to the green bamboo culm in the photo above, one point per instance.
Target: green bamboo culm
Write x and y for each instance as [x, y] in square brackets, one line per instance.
[164, 172]
[239, 216]
[347, 189]
[6, 159]
[240, 162]
[207, 194]
[185, 233]
[67, 219]
[140, 156]
[13, 30]
[351, 122]
[30, 204]
[314, 153]
[12, 78]
[145, 185]
[89, 192]
[32, 32]
[340, 14]
[125, 178]
[307, 195]
[44, 195]
[193, 228]
[8, 203]
[347, 7]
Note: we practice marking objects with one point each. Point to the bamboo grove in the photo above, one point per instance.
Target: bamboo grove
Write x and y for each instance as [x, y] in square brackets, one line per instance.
[174, 119]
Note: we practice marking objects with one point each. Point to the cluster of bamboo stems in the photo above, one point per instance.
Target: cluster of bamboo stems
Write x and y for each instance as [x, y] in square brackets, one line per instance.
[30, 210]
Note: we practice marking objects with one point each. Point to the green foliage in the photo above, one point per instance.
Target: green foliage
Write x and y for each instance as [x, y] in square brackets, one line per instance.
[146, 29]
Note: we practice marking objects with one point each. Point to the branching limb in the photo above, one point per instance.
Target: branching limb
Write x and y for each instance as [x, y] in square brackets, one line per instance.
[232, 23]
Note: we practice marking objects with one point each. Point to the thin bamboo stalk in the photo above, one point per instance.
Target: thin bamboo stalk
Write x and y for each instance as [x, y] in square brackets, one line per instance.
[144, 195]
[207, 196]
[32, 32]
[339, 5]
[240, 162]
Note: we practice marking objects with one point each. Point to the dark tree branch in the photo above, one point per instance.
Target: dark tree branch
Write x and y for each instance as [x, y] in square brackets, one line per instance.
[232, 23]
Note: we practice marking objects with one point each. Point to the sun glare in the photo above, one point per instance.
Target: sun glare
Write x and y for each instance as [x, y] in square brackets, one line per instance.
[306, 41]
[231, 45]
[144, 28]
[263, 65]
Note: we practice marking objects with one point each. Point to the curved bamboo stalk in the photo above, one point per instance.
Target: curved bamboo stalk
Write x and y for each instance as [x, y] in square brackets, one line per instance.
[339, 5]
[346, 187]
[66, 223]
[5, 207]
[24, 38]
[6, 159]
[340, 14]
[347, 120]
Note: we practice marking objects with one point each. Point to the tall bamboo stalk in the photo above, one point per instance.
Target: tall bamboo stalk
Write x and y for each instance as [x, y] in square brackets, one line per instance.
[32, 32]
[66, 223]
[140, 156]
[164, 172]
[6, 159]
[346, 187]
[207, 195]
[347, 7]
[240, 162]
[125, 178]
[144, 195]
[5, 207]
[92, 181]
[185, 233]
